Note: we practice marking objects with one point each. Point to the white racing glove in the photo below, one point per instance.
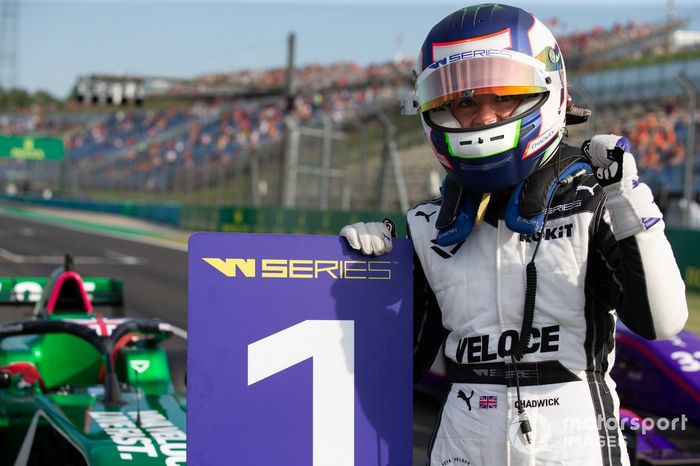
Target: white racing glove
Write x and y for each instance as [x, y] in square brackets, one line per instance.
[630, 203]
[372, 238]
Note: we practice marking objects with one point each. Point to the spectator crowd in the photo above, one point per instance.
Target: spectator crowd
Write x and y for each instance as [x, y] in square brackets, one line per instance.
[164, 142]
[660, 141]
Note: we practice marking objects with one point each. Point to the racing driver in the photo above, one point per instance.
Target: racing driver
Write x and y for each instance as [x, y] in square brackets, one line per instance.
[531, 253]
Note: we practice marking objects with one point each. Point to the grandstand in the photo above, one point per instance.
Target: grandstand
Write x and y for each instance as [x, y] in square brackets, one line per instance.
[227, 138]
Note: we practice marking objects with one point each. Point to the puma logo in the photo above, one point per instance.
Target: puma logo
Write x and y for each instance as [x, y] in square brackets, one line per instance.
[427, 216]
[590, 189]
[461, 395]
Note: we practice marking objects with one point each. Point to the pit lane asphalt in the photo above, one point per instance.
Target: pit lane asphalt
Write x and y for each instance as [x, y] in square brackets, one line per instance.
[149, 258]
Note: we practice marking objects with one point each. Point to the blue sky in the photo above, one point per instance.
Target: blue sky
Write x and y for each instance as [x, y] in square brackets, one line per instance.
[60, 40]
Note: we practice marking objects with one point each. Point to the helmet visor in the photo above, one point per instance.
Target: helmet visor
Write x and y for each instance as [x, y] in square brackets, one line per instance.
[490, 75]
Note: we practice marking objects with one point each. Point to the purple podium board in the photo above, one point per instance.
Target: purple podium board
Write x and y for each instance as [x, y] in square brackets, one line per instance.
[299, 352]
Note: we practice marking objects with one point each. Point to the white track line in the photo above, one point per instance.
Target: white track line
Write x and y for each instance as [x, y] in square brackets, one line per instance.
[80, 260]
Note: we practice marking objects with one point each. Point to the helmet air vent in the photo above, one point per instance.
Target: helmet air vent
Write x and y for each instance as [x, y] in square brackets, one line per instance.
[526, 129]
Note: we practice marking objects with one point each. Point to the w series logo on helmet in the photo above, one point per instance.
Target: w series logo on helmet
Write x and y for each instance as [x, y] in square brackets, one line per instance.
[470, 54]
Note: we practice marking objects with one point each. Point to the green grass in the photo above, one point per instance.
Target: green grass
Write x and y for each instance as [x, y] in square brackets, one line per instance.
[693, 323]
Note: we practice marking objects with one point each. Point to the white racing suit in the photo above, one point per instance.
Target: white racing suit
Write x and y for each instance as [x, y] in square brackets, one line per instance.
[470, 296]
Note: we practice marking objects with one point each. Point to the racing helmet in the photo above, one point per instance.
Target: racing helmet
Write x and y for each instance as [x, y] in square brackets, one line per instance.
[498, 52]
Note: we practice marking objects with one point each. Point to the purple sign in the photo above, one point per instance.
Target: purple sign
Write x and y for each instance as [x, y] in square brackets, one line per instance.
[299, 353]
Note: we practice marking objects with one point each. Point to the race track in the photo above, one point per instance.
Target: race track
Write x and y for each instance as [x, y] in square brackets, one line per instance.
[155, 278]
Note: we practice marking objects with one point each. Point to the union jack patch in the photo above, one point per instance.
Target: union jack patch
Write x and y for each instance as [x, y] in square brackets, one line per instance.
[488, 401]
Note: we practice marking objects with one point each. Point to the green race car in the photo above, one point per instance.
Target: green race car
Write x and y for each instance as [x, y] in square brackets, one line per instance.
[78, 388]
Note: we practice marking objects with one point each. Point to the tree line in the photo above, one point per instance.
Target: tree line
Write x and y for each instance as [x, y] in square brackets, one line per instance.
[15, 98]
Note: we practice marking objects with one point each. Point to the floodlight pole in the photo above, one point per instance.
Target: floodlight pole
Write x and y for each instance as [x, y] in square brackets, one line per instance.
[290, 87]
[688, 181]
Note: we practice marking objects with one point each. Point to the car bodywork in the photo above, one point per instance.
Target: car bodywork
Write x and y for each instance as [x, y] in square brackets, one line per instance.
[79, 388]
[659, 383]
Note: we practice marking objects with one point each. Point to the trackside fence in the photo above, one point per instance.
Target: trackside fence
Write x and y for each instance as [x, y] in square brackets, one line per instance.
[305, 221]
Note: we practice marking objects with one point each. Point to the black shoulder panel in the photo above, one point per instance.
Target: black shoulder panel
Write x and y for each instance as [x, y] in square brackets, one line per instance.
[537, 185]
